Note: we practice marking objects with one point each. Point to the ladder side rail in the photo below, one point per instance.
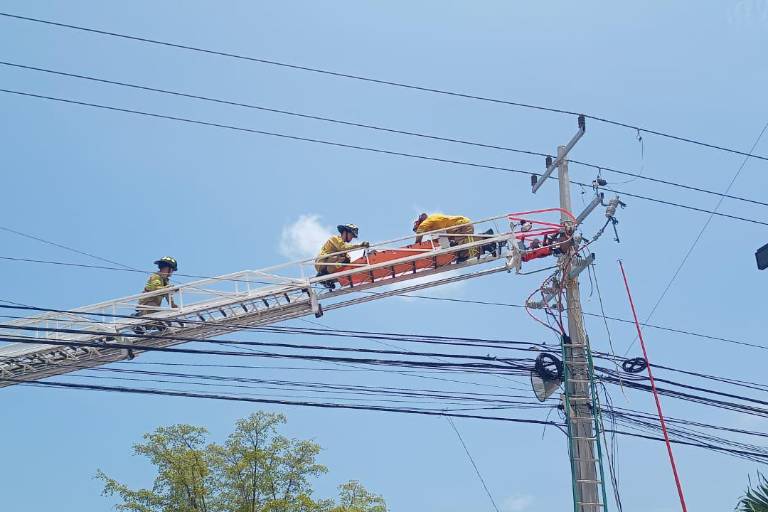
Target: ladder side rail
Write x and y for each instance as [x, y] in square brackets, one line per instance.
[204, 330]
[248, 276]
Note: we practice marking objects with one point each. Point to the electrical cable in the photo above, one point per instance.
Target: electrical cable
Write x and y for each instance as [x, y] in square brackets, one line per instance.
[378, 81]
[374, 127]
[162, 392]
[38, 341]
[362, 148]
[701, 232]
[472, 461]
[417, 411]
[429, 339]
[61, 246]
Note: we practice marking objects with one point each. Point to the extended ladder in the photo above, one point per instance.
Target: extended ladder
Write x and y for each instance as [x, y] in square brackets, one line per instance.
[59, 342]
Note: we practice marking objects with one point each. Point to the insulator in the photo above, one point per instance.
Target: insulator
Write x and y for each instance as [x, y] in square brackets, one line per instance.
[610, 211]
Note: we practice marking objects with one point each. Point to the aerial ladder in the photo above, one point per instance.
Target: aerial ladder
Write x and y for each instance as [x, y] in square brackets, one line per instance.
[57, 342]
[62, 341]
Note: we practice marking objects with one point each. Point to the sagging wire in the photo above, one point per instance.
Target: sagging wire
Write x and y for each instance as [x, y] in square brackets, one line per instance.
[641, 171]
[591, 269]
[472, 461]
[612, 449]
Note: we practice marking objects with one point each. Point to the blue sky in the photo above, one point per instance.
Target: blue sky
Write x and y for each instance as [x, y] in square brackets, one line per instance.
[131, 189]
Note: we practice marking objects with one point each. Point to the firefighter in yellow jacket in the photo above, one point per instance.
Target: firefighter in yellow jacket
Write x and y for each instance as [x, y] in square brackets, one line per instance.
[166, 266]
[453, 225]
[338, 244]
[157, 281]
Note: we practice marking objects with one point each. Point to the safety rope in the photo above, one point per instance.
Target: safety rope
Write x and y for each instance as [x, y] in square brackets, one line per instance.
[655, 393]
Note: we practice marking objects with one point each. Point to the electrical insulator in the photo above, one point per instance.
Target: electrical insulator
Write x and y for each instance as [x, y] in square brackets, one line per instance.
[610, 211]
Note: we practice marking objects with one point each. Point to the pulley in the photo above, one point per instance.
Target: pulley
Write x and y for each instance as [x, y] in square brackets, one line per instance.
[634, 365]
[546, 375]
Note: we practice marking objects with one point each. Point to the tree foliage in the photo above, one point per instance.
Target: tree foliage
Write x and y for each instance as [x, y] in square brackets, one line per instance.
[255, 470]
[353, 497]
[756, 498]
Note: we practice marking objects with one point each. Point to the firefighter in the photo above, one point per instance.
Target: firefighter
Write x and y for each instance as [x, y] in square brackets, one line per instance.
[166, 266]
[337, 244]
[453, 225]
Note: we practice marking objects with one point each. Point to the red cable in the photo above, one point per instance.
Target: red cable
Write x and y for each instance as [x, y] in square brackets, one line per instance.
[655, 393]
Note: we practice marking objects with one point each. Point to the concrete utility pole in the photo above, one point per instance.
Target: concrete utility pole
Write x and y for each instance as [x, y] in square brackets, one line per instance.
[577, 367]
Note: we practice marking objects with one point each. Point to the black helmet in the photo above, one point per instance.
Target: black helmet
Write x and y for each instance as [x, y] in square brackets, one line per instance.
[348, 227]
[167, 261]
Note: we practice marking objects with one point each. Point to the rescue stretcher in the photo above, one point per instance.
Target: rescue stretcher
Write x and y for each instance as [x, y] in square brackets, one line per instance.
[546, 238]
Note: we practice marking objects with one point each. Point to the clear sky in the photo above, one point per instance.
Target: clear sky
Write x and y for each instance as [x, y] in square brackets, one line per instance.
[132, 189]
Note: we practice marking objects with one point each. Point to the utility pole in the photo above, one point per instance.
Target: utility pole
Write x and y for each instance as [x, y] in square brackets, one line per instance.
[579, 400]
[578, 370]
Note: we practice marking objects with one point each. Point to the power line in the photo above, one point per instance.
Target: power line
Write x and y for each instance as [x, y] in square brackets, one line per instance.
[472, 461]
[327, 405]
[511, 365]
[379, 81]
[701, 232]
[507, 344]
[187, 339]
[411, 295]
[61, 246]
[441, 299]
[727, 405]
[371, 127]
[668, 182]
[484, 364]
[612, 318]
[360, 148]
[330, 405]
[260, 132]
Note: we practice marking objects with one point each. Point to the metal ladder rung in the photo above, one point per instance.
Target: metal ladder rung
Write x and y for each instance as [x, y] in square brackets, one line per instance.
[588, 481]
[589, 504]
[585, 438]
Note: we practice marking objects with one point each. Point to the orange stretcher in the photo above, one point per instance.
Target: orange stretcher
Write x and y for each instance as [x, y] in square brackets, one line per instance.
[532, 254]
[397, 269]
[540, 229]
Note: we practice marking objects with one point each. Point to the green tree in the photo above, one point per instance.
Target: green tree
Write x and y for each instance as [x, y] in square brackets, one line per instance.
[756, 498]
[255, 470]
[183, 480]
[353, 497]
